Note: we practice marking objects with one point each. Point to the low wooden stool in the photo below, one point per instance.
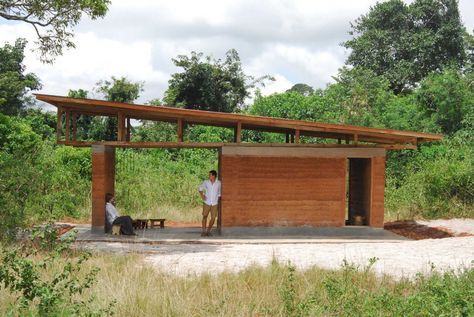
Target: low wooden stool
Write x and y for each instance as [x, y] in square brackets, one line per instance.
[140, 224]
[154, 223]
[116, 230]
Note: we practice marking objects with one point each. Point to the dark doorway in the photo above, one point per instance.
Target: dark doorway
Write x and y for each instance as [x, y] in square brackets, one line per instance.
[359, 191]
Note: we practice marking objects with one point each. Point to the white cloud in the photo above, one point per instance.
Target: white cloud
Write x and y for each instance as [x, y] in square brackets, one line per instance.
[293, 40]
[280, 84]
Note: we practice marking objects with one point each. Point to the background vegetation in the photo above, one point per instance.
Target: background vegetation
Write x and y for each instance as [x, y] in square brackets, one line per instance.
[410, 67]
[276, 290]
[43, 181]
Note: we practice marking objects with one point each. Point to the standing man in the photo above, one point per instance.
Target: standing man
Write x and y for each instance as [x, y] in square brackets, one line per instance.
[210, 191]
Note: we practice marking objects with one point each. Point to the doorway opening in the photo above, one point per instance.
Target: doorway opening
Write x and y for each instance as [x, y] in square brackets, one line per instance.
[359, 191]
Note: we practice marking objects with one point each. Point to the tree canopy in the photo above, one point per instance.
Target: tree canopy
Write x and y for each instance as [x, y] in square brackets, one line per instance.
[303, 89]
[119, 90]
[52, 20]
[14, 83]
[405, 43]
[210, 84]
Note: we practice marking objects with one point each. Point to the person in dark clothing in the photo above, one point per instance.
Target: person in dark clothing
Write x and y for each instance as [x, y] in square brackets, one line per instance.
[113, 218]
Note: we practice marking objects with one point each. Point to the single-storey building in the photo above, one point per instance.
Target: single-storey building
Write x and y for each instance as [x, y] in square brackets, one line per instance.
[263, 184]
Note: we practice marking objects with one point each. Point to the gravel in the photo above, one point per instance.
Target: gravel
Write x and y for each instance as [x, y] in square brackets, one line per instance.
[400, 259]
[456, 226]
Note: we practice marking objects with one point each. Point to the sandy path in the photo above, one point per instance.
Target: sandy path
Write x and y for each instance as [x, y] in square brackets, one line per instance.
[396, 258]
[456, 226]
[401, 259]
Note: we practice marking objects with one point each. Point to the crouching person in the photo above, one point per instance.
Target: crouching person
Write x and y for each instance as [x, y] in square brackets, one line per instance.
[113, 218]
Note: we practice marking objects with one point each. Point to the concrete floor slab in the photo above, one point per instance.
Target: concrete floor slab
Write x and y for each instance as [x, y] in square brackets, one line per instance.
[246, 235]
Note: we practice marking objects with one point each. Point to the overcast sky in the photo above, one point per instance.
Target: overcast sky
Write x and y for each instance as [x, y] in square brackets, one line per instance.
[294, 41]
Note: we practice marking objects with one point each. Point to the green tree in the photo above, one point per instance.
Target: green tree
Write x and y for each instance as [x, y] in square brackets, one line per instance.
[80, 93]
[118, 90]
[469, 44]
[209, 84]
[302, 89]
[14, 83]
[84, 122]
[53, 20]
[407, 42]
[447, 97]
[42, 122]
[359, 95]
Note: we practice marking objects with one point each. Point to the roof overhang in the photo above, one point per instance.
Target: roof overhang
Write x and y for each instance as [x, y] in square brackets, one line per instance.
[349, 133]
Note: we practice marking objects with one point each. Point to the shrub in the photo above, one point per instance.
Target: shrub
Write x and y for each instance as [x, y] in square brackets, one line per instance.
[46, 277]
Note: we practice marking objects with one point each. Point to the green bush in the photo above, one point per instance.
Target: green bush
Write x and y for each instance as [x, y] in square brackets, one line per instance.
[356, 291]
[438, 181]
[46, 277]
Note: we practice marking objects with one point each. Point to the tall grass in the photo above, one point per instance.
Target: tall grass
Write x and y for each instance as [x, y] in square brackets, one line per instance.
[276, 290]
[279, 290]
[162, 183]
[153, 183]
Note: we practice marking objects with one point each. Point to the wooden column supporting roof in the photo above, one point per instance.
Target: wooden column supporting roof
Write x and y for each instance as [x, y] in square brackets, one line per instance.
[360, 136]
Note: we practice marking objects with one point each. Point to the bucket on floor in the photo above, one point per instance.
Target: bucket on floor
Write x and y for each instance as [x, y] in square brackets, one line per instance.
[359, 220]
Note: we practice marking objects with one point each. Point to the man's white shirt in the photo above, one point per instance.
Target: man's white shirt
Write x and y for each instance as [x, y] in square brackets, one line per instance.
[212, 191]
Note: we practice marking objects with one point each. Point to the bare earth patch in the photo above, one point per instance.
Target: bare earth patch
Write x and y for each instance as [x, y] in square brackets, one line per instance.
[397, 259]
[432, 229]
[440, 244]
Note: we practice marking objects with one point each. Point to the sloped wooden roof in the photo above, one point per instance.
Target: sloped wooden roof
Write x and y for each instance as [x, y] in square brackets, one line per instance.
[230, 120]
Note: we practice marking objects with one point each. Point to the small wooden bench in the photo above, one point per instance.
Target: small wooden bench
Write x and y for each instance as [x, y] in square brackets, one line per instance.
[154, 223]
[140, 224]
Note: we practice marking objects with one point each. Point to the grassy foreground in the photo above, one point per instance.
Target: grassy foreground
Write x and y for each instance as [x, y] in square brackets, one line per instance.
[276, 290]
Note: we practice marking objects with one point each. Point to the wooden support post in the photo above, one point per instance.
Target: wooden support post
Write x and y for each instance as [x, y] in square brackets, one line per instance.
[74, 126]
[103, 182]
[219, 206]
[59, 124]
[237, 132]
[292, 138]
[180, 130]
[297, 136]
[377, 186]
[356, 139]
[121, 127]
[68, 128]
[128, 129]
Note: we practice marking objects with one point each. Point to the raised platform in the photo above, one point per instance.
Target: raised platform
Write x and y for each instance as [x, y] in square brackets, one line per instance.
[246, 235]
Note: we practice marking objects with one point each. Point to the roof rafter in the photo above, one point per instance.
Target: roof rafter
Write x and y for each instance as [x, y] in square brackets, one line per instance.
[385, 137]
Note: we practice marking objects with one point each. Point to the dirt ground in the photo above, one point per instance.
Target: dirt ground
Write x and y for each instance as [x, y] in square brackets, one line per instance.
[435, 244]
[419, 230]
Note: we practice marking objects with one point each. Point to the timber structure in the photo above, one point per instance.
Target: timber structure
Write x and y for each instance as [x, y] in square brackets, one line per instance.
[293, 183]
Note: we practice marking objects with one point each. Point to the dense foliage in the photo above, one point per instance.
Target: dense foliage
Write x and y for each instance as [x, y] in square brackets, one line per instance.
[14, 83]
[278, 290]
[52, 20]
[406, 42]
[413, 70]
[46, 277]
[210, 84]
[40, 180]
